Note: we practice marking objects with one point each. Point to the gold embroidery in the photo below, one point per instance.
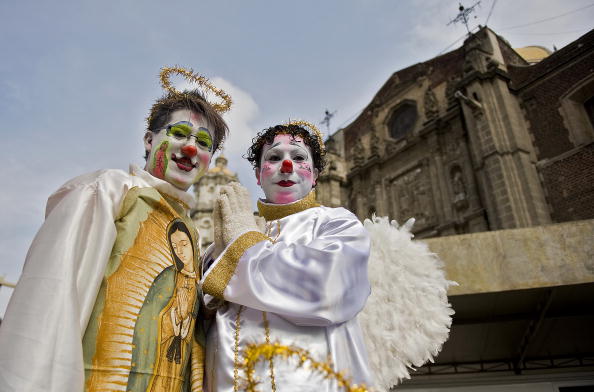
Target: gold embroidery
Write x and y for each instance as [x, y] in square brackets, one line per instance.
[269, 231]
[270, 361]
[139, 267]
[126, 288]
[216, 281]
[278, 211]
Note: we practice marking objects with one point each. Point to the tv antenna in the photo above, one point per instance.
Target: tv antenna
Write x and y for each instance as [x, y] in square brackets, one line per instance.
[327, 117]
[463, 14]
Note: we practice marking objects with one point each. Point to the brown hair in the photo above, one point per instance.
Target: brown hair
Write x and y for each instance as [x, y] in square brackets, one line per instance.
[192, 100]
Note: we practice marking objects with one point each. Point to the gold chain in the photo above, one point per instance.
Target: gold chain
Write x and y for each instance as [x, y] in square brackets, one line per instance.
[270, 361]
[266, 333]
[236, 350]
[269, 231]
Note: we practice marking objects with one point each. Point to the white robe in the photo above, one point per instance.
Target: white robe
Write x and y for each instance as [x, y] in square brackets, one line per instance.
[41, 334]
[310, 279]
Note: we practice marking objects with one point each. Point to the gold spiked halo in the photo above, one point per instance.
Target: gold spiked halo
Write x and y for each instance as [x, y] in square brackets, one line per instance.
[200, 80]
[311, 128]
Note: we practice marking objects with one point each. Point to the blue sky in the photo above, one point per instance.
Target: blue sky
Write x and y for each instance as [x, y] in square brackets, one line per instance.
[77, 77]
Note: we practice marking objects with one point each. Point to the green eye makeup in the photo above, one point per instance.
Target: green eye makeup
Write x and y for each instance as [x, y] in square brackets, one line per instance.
[203, 138]
[179, 130]
[182, 131]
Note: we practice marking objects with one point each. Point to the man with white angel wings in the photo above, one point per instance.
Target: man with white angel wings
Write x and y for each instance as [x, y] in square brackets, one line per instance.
[290, 294]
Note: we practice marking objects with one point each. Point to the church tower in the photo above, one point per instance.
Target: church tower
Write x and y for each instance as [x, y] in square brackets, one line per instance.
[206, 191]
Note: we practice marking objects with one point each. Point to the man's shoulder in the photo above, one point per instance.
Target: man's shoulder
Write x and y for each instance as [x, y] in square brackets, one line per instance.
[101, 177]
[106, 181]
[109, 184]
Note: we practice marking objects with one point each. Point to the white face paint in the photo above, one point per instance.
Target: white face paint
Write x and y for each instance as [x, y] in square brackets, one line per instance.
[180, 153]
[286, 172]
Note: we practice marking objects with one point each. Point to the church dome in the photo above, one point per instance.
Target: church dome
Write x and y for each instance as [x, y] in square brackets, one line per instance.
[221, 167]
[533, 54]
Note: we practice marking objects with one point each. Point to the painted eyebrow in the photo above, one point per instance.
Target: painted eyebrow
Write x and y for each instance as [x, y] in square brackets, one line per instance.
[294, 144]
[300, 146]
[182, 123]
[205, 130]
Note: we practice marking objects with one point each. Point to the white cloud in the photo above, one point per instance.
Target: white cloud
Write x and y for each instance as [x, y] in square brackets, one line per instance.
[240, 119]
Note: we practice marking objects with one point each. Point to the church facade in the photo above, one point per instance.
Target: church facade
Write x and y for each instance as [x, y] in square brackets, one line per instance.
[493, 155]
[474, 140]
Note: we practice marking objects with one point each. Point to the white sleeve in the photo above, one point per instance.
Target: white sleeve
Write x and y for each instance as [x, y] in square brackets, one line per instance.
[320, 283]
[41, 333]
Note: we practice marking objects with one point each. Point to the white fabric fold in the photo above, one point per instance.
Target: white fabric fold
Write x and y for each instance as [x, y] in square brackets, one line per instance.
[311, 281]
[40, 337]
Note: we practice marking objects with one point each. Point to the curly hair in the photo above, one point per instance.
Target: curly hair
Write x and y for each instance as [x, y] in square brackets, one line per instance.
[254, 153]
[192, 100]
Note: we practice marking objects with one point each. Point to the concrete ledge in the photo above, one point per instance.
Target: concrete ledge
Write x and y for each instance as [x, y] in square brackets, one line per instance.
[541, 256]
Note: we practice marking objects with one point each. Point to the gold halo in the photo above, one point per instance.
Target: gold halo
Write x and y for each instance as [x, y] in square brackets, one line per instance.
[200, 80]
[311, 127]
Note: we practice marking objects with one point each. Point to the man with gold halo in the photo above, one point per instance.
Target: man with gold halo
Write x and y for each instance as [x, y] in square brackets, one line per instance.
[297, 283]
[108, 297]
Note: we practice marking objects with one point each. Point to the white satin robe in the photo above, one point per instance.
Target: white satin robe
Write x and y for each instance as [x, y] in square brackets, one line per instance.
[48, 312]
[311, 280]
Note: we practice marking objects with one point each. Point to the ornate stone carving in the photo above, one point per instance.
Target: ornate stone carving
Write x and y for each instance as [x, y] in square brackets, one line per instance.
[451, 88]
[374, 145]
[358, 155]
[431, 105]
[332, 167]
[452, 149]
[389, 147]
[413, 197]
[459, 188]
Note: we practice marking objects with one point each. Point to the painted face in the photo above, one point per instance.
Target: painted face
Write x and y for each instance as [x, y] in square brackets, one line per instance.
[180, 153]
[286, 172]
[180, 242]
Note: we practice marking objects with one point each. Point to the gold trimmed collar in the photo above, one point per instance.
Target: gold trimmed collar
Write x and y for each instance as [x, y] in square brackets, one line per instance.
[278, 211]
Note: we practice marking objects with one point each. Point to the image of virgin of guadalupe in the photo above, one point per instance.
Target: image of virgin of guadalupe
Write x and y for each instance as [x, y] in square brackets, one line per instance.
[177, 285]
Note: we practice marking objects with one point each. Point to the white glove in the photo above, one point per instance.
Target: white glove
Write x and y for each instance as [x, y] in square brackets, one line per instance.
[261, 222]
[236, 213]
[219, 244]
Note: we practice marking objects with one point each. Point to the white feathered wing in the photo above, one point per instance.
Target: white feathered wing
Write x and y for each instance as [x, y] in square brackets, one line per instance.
[407, 317]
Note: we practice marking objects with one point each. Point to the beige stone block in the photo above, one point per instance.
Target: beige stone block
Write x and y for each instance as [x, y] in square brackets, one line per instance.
[540, 256]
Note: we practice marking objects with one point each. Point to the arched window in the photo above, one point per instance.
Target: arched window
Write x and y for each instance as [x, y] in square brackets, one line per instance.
[589, 106]
[403, 120]
[577, 109]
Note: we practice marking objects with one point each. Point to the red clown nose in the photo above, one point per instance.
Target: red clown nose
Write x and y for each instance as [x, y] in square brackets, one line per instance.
[287, 166]
[189, 150]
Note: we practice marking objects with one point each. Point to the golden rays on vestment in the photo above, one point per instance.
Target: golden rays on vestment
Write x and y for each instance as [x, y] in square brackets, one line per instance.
[126, 291]
[197, 367]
